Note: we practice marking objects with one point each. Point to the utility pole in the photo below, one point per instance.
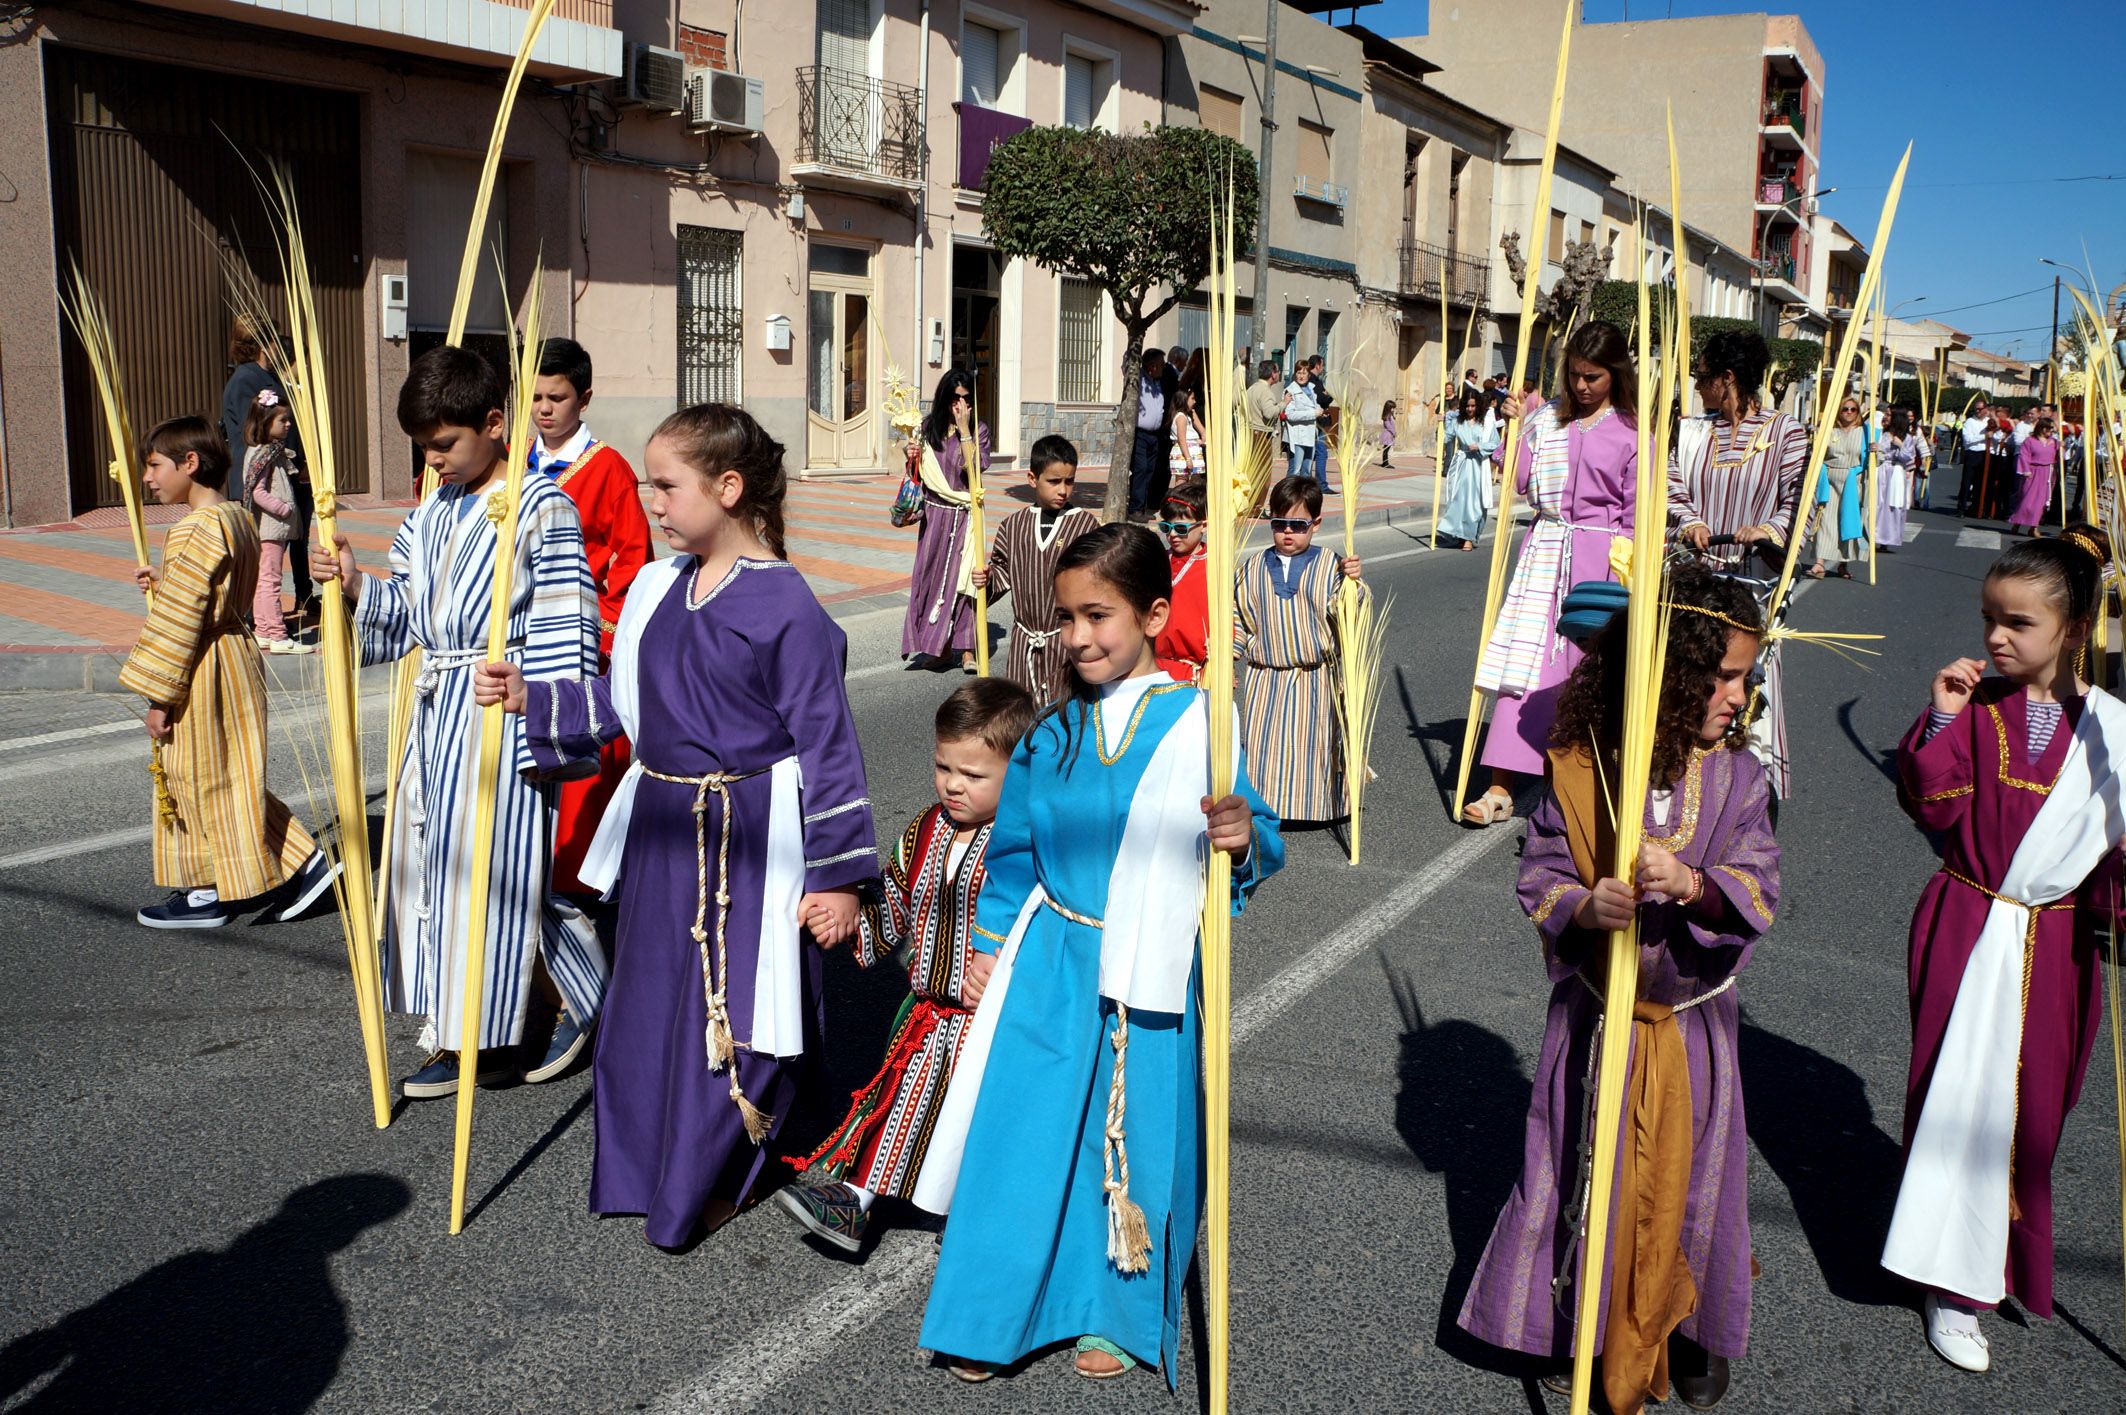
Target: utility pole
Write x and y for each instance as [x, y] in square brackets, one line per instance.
[2052, 350]
[1261, 333]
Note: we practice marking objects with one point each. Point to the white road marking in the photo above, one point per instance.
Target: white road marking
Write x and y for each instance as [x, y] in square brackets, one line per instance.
[1971, 538]
[109, 840]
[796, 1341]
[71, 734]
[1912, 530]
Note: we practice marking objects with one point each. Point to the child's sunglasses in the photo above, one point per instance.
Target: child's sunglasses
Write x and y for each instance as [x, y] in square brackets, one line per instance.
[1291, 525]
[1174, 528]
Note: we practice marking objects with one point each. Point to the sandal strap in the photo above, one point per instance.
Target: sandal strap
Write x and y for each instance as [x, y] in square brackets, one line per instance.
[1101, 1343]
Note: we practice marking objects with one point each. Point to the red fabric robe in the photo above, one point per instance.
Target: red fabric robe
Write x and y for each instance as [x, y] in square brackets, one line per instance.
[1975, 785]
[616, 541]
[1180, 645]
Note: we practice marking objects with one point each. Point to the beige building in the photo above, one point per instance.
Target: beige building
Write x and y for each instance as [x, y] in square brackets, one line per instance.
[1747, 95]
[1308, 218]
[759, 203]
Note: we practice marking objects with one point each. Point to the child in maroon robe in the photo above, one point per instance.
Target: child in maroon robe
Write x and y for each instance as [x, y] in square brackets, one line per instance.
[1677, 1275]
[2017, 776]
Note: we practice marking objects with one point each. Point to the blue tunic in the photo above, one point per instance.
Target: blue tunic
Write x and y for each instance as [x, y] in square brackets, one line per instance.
[1024, 1263]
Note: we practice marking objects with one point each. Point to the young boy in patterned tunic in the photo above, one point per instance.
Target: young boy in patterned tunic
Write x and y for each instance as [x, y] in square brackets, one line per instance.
[921, 919]
[1023, 559]
[221, 838]
[1284, 634]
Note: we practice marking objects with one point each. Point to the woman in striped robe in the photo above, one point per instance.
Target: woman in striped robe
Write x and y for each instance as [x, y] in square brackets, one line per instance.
[1284, 634]
[1576, 464]
[436, 600]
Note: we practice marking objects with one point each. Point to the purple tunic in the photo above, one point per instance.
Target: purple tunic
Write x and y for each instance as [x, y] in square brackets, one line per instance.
[941, 619]
[1719, 823]
[743, 678]
[1586, 512]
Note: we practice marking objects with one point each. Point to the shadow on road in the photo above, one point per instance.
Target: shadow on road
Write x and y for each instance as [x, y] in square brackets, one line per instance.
[256, 1326]
[531, 1156]
[1461, 1107]
[1883, 761]
[1444, 735]
[1810, 1118]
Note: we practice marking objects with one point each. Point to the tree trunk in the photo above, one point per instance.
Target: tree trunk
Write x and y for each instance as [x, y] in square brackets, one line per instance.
[1115, 505]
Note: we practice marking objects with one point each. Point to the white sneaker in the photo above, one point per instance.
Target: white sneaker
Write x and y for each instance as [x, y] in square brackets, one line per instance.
[285, 646]
[1955, 1336]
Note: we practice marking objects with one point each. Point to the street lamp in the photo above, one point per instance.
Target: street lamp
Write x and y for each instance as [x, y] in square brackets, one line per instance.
[1757, 266]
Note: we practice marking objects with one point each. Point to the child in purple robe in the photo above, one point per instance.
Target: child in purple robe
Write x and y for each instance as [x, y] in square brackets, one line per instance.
[1676, 1281]
[2017, 776]
[743, 824]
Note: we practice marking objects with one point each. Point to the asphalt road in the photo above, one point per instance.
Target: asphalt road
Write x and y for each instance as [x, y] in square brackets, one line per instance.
[197, 1214]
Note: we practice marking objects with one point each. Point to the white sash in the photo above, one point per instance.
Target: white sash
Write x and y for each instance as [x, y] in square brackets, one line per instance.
[1950, 1228]
[1148, 942]
[601, 861]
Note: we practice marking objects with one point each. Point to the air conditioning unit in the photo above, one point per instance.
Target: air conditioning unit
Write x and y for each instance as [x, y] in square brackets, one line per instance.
[653, 78]
[723, 102]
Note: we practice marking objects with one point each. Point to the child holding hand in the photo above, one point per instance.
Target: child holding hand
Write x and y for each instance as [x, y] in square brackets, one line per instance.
[269, 469]
[742, 824]
[922, 919]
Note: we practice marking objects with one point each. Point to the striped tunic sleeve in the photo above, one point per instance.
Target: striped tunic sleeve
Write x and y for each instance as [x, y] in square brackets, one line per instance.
[383, 616]
[557, 622]
[171, 642]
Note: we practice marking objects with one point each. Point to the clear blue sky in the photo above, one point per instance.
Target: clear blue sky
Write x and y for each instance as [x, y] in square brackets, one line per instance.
[1978, 207]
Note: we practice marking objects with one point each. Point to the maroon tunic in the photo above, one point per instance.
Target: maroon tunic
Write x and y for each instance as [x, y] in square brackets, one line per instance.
[1975, 786]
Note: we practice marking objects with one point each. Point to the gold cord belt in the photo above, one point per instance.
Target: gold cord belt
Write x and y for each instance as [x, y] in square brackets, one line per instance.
[1075, 918]
[721, 1046]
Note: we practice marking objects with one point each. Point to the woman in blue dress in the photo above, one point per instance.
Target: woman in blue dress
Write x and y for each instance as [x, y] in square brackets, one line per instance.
[1080, 1185]
[1470, 442]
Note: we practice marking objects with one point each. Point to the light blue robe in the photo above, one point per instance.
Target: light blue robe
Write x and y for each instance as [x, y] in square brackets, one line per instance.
[1469, 448]
[1024, 1263]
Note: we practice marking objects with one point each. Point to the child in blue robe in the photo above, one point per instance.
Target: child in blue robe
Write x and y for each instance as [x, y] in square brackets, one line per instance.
[1089, 1022]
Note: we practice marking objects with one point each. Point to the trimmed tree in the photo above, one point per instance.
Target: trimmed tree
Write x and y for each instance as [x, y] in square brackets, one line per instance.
[1131, 215]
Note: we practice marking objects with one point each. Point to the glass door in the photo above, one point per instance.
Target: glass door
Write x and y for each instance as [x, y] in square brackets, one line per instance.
[840, 429]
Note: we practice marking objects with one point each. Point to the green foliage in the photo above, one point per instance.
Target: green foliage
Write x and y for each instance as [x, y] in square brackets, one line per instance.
[1130, 214]
[1618, 302]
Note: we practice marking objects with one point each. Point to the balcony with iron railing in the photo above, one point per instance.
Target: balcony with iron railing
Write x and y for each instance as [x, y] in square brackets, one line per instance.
[857, 133]
[982, 131]
[1779, 190]
[1421, 265]
[1785, 117]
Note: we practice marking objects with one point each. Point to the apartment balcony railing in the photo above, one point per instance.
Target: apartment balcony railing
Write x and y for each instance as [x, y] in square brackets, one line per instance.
[1779, 267]
[981, 131]
[1778, 191]
[1328, 193]
[855, 126]
[1784, 110]
[1468, 279]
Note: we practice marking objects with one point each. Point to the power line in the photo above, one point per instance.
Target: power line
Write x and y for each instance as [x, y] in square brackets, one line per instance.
[1954, 309]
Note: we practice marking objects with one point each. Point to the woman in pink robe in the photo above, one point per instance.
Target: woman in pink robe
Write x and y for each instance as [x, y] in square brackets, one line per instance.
[1577, 465]
[2035, 462]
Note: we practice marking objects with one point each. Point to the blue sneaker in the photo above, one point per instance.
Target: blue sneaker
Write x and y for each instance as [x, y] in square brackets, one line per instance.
[568, 1042]
[313, 879]
[179, 912]
[438, 1075]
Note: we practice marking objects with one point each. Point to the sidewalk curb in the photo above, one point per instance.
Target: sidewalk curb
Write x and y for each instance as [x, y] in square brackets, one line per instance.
[92, 669]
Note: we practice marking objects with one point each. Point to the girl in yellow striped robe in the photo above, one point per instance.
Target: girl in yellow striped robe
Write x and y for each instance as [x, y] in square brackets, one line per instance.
[221, 838]
[1284, 634]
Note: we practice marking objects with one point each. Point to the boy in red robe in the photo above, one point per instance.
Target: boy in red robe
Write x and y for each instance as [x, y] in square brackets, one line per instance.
[1180, 645]
[616, 541]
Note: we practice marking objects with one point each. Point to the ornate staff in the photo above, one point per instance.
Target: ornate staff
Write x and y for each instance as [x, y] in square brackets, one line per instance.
[1494, 591]
[401, 718]
[93, 327]
[503, 507]
[977, 543]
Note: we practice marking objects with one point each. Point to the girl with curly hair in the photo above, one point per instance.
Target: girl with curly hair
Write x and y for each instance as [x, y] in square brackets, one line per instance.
[1704, 891]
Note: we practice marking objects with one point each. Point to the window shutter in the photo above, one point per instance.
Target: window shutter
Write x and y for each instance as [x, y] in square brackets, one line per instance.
[1078, 91]
[1219, 112]
[1314, 160]
[979, 48]
[845, 35]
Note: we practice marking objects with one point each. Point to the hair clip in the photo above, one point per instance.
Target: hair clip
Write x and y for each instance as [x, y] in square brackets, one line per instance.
[267, 398]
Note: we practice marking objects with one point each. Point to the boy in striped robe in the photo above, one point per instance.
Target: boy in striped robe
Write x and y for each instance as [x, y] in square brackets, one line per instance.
[1284, 634]
[921, 919]
[221, 838]
[1022, 564]
[436, 600]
